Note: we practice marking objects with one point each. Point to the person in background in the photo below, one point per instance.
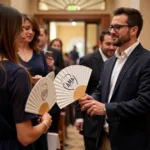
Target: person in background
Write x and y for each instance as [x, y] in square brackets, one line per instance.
[86, 124]
[29, 53]
[51, 63]
[56, 43]
[43, 43]
[55, 62]
[95, 48]
[67, 60]
[34, 60]
[123, 93]
[16, 129]
[74, 54]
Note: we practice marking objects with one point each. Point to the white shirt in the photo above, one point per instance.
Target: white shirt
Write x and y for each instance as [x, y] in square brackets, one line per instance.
[102, 54]
[118, 66]
[121, 59]
[104, 59]
[45, 48]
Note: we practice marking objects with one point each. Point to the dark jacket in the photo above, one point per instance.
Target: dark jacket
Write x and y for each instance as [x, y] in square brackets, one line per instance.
[129, 109]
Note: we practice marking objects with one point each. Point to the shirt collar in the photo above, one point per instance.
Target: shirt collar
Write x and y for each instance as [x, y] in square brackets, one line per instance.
[127, 52]
[45, 48]
[103, 56]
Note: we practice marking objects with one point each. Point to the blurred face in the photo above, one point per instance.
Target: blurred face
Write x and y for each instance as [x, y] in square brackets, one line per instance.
[57, 45]
[120, 31]
[107, 46]
[43, 38]
[28, 32]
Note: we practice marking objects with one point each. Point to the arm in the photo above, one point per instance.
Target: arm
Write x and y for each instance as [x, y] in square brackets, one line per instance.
[134, 108]
[137, 107]
[26, 133]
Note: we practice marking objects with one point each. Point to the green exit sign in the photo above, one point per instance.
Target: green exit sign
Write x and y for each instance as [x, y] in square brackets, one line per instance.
[72, 8]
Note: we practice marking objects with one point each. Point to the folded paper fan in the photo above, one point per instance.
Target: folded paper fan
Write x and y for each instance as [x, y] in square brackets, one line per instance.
[71, 83]
[42, 97]
[51, 75]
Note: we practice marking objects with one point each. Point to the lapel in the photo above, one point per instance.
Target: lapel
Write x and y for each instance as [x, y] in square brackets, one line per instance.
[132, 58]
[107, 75]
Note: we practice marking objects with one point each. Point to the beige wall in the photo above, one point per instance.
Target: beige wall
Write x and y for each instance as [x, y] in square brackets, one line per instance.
[22, 5]
[145, 34]
[127, 3]
[91, 37]
[121, 3]
[5, 2]
[67, 33]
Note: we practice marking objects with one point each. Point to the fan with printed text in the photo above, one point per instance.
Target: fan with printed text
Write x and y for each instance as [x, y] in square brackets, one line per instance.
[42, 97]
[71, 83]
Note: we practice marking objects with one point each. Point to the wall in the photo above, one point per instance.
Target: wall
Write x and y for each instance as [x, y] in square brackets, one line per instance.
[22, 5]
[144, 37]
[68, 33]
[5, 2]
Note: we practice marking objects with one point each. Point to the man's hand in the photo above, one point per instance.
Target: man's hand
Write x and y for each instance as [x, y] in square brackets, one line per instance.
[84, 100]
[92, 106]
[79, 126]
[95, 108]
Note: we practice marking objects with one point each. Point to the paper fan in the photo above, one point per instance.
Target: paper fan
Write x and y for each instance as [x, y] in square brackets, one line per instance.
[51, 75]
[42, 97]
[71, 84]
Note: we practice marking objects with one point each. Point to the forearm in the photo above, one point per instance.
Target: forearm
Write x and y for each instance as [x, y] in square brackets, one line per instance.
[127, 110]
[27, 133]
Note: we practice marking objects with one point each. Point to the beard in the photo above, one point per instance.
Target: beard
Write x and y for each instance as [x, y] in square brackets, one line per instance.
[122, 40]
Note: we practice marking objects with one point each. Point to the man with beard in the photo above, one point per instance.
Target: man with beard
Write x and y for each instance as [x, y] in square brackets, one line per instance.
[124, 90]
[86, 124]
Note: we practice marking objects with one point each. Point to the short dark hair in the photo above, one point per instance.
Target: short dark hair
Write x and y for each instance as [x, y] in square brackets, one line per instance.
[106, 32]
[134, 17]
[45, 30]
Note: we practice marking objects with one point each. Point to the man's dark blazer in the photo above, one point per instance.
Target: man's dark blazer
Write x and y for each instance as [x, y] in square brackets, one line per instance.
[95, 62]
[58, 58]
[128, 112]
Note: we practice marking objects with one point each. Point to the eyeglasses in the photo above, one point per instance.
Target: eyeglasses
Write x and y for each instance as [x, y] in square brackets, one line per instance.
[116, 28]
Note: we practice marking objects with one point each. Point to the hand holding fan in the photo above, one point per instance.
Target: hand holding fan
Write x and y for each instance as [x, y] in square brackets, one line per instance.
[42, 97]
[71, 84]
